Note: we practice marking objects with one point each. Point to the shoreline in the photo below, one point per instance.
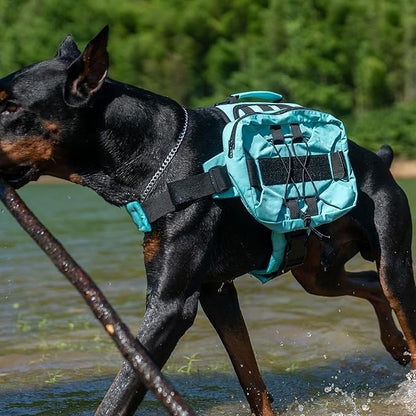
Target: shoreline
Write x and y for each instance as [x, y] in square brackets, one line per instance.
[400, 169]
[403, 169]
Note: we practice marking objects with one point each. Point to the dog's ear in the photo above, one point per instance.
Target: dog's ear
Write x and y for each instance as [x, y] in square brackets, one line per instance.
[87, 73]
[68, 49]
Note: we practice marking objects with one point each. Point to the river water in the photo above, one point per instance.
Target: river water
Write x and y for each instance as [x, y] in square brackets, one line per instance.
[319, 356]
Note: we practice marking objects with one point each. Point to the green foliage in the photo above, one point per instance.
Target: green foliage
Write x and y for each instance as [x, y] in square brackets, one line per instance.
[395, 125]
[345, 56]
[188, 368]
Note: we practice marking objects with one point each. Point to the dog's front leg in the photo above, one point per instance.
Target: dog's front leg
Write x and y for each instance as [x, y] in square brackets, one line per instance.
[220, 303]
[171, 309]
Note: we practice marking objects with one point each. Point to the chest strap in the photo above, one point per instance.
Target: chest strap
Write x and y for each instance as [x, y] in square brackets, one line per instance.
[179, 193]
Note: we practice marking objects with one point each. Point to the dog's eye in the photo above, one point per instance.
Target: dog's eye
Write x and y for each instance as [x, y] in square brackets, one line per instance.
[8, 108]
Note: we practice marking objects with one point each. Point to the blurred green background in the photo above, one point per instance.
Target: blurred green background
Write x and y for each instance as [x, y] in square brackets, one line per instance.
[354, 58]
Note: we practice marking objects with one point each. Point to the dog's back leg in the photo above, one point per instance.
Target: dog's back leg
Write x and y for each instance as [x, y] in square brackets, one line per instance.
[395, 263]
[392, 236]
[220, 303]
[398, 286]
[364, 285]
[369, 288]
[335, 281]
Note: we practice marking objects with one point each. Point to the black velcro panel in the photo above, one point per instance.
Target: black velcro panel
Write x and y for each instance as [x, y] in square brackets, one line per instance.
[275, 171]
[338, 165]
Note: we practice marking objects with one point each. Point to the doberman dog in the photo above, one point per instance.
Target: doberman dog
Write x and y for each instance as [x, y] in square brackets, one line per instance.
[64, 117]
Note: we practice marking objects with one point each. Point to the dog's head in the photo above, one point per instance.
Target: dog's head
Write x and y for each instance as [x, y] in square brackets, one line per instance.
[44, 107]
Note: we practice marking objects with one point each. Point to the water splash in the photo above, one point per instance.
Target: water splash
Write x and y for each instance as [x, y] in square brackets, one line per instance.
[333, 401]
[405, 394]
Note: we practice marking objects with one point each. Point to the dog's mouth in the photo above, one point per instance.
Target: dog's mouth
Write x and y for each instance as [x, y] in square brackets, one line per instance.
[19, 176]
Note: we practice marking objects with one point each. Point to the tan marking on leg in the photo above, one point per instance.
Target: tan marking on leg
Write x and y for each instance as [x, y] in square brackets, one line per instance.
[151, 247]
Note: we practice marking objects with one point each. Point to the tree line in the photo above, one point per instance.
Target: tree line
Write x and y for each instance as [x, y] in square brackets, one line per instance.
[354, 58]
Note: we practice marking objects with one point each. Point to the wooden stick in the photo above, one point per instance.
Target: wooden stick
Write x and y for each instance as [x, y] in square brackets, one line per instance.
[129, 347]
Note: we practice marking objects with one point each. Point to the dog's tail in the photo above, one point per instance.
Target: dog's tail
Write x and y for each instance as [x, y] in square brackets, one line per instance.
[386, 154]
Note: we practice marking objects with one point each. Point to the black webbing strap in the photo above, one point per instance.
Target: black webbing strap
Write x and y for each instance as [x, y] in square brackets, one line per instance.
[294, 209]
[295, 250]
[296, 132]
[277, 134]
[292, 205]
[190, 189]
[266, 107]
[312, 205]
[274, 171]
[247, 109]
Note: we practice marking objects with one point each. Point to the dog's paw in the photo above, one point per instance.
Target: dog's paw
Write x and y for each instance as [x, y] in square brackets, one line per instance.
[401, 353]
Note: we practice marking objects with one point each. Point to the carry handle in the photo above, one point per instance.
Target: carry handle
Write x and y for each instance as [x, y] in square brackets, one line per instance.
[262, 95]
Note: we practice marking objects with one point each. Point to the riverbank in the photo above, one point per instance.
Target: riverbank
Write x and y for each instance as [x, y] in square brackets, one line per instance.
[404, 169]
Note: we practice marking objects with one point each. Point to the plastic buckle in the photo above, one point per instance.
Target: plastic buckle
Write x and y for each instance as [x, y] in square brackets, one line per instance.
[138, 216]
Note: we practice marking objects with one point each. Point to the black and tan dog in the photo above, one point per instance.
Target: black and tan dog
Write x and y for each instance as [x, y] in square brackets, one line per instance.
[64, 117]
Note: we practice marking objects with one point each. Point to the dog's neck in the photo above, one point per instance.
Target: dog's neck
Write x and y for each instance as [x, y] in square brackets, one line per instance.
[134, 130]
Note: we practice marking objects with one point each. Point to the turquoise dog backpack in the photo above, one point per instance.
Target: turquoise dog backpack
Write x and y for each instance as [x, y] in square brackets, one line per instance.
[289, 166]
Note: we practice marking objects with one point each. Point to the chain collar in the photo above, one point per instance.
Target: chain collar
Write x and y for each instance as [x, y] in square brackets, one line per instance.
[155, 178]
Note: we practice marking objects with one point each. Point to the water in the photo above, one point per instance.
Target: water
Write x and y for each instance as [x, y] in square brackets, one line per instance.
[319, 356]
